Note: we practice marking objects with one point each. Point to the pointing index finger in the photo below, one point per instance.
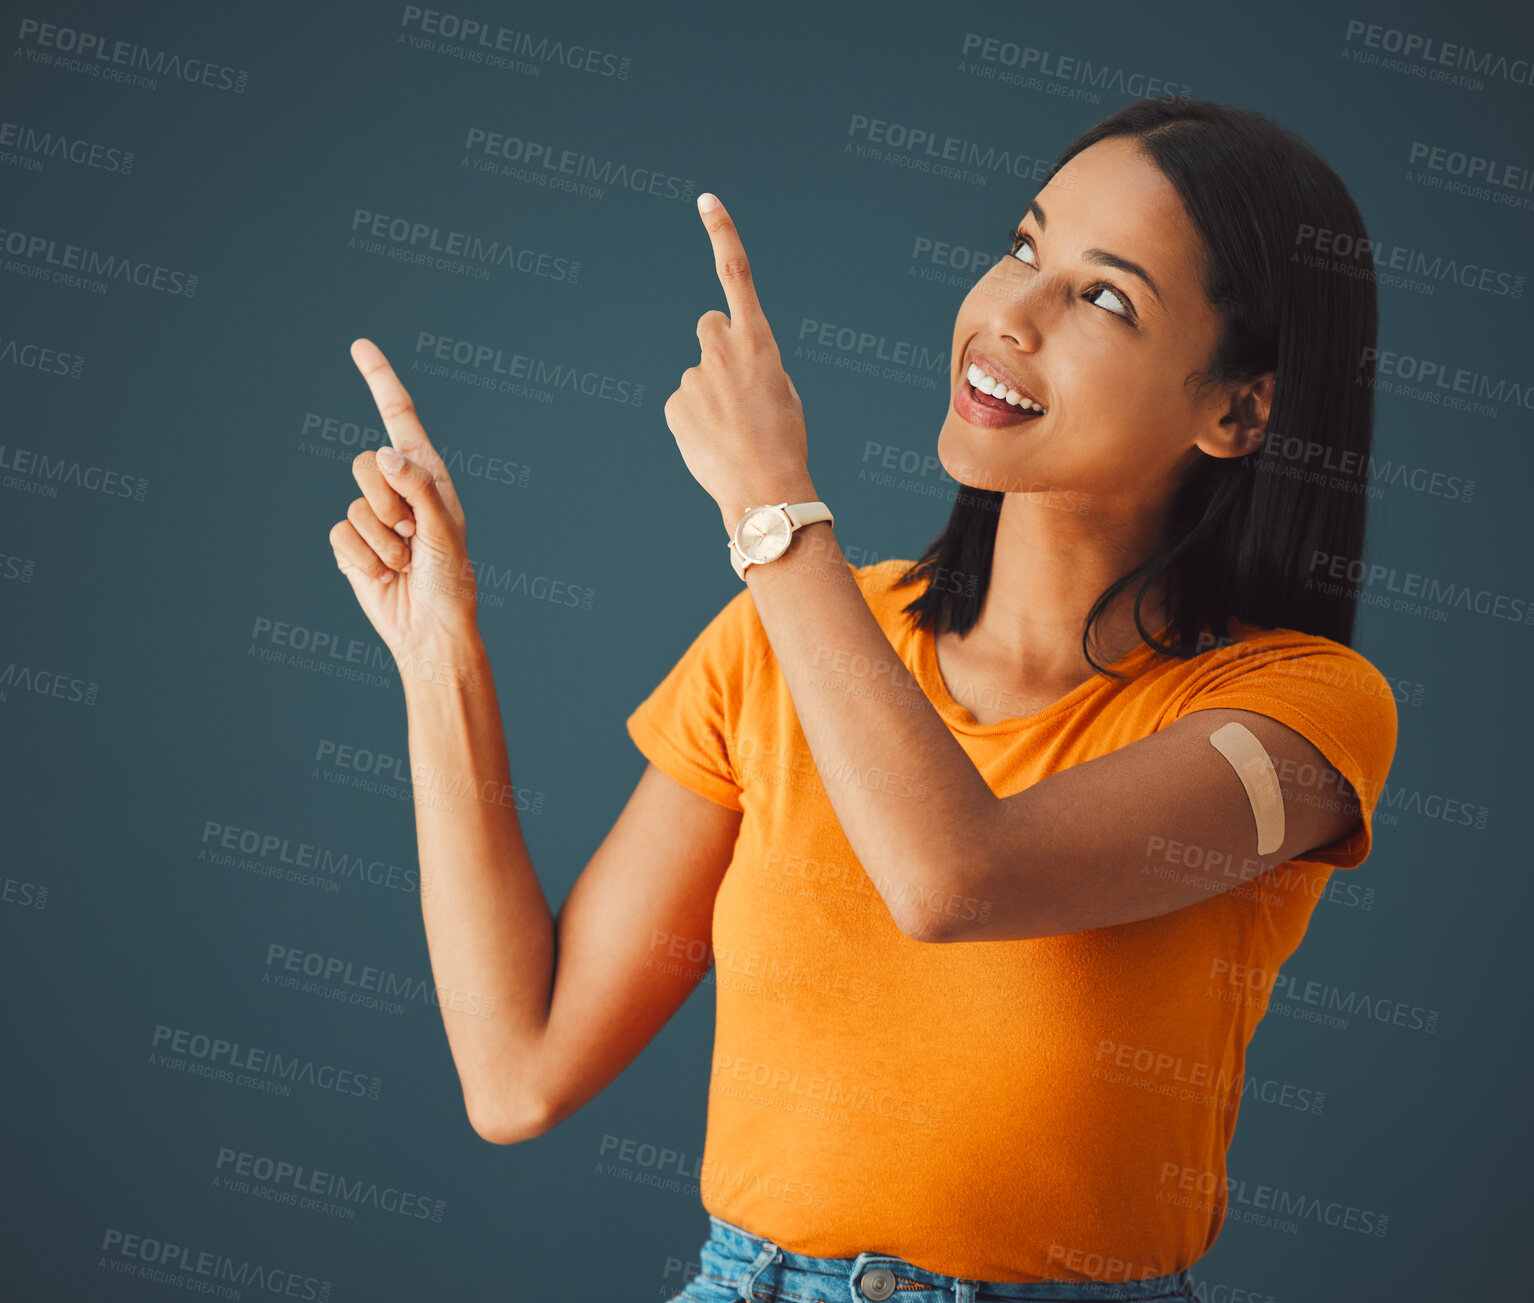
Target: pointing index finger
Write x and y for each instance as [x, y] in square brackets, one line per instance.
[397, 409]
[731, 263]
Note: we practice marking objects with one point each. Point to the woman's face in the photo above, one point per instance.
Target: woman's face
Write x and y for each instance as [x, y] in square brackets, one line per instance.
[1103, 351]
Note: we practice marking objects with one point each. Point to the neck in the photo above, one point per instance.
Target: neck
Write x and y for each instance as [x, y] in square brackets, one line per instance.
[1049, 566]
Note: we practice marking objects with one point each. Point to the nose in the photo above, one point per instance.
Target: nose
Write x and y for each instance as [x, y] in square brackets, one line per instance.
[1019, 310]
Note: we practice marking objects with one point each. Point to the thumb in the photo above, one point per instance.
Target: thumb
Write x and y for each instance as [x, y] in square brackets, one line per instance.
[414, 482]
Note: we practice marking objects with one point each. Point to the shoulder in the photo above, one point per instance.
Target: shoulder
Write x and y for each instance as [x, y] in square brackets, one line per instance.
[1331, 693]
[1280, 656]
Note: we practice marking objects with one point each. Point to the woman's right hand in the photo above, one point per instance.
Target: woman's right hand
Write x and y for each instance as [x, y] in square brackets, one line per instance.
[402, 544]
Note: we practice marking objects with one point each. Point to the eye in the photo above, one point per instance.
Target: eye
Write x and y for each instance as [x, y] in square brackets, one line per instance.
[1112, 294]
[1122, 307]
[1018, 238]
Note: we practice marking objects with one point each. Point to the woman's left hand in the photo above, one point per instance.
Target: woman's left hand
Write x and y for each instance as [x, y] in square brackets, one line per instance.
[736, 416]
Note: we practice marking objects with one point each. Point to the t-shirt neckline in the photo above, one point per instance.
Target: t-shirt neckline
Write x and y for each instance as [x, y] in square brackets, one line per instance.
[959, 718]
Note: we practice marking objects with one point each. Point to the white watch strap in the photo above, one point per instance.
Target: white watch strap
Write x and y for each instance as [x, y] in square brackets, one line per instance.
[807, 513]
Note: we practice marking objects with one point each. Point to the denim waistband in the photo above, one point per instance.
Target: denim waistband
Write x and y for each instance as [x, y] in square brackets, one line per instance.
[762, 1272]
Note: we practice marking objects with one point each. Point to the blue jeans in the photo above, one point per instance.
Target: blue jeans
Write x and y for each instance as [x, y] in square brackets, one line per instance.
[736, 1265]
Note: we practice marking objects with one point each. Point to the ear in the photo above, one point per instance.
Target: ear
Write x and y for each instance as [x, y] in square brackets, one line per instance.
[1237, 420]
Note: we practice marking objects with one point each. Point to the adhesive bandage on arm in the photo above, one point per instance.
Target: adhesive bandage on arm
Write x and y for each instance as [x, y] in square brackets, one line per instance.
[1249, 758]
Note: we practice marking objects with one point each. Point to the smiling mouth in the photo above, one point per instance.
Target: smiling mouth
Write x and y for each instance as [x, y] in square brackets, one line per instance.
[980, 379]
[987, 411]
[982, 399]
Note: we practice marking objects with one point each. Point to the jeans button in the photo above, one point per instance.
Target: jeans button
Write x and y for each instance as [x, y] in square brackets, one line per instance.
[878, 1283]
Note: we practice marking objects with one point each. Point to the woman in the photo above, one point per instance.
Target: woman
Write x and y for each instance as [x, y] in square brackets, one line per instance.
[1002, 910]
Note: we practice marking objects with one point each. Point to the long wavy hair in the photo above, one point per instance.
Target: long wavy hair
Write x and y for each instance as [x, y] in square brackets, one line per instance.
[1244, 530]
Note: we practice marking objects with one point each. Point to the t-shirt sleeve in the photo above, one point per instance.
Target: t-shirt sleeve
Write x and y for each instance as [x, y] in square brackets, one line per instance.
[1334, 698]
[688, 726]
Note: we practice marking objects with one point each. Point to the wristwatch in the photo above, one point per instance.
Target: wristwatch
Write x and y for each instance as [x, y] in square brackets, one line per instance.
[763, 533]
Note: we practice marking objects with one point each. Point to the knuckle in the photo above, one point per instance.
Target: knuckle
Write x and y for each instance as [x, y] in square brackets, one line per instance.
[397, 407]
[358, 511]
[735, 267]
[363, 458]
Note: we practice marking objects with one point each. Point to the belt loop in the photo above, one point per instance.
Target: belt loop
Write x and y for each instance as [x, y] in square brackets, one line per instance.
[770, 1254]
[964, 1291]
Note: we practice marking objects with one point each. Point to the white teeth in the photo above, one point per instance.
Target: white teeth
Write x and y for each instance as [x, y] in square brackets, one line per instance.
[989, 384]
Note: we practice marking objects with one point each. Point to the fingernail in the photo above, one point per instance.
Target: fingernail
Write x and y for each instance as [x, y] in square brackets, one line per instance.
[707, 202]
[390, 459]
[404, 528]
[388, 576]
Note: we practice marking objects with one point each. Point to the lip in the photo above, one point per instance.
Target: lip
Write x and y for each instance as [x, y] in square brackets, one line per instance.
[989, 418]
[990, 366]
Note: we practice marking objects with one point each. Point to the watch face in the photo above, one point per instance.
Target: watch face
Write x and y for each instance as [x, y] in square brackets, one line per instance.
[763, 534]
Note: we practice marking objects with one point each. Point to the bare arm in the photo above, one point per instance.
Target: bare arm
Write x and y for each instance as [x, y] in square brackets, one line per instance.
[1066, 854]
[488, 927]
[629, 933]
[540, 1013]
[634, 936]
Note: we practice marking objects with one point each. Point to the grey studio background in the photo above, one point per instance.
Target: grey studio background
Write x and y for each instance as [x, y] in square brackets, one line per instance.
[181, 657]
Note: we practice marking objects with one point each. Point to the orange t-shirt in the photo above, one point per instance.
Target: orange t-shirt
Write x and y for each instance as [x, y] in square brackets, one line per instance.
[1056, 1108]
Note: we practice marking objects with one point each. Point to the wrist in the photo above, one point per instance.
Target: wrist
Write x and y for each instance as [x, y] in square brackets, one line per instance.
[797, 488]
[445, 660]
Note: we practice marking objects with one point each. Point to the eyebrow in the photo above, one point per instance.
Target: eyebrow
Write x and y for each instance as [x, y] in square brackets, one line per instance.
[1102, 257]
